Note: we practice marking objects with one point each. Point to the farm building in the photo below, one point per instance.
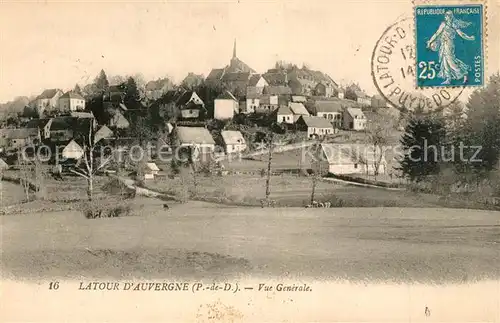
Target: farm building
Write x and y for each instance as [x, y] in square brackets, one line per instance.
[330, 110]
[354, 119]
[233, 141]
[298, 110]
[225, 106]
[72, 151]
[284, 115]
[316, 127]
[151, 171]
[351, 159]
[197, 138]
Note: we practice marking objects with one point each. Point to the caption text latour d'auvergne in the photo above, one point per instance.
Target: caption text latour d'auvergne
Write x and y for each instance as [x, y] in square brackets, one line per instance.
[192, 287]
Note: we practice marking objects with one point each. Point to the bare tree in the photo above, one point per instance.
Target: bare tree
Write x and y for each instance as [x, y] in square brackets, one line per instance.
[92, 164]
[378, 131]
[269, 162]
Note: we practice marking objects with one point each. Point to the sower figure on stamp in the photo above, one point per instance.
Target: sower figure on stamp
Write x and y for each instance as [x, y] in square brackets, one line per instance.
[443, 41]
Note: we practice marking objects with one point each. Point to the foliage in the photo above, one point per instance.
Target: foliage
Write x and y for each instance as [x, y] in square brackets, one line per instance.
[422, 141]
[378, 132]
[101, 82]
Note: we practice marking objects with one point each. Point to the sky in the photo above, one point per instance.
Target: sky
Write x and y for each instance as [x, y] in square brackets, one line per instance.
[57, 44]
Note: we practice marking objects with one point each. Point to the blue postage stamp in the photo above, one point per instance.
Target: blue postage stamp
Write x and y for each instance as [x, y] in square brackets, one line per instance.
[449, 45]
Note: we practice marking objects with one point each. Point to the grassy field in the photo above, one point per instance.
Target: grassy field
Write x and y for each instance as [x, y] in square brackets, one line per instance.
[201, 240]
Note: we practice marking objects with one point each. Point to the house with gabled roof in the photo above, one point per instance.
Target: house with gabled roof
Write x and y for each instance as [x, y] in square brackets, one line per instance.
[352, 159]
[233, 141]
[102, 133]
[354, 119]
[267, 103]
[43, 126]
[72, 150]
[225, 106]
[48, 100]
[284, 115]
[155, 89]
[298, 110]
[315, 127]
[71, 101]
[190, 106]
[118, 121]
[330, 110]
[198, 140]
[20, 137]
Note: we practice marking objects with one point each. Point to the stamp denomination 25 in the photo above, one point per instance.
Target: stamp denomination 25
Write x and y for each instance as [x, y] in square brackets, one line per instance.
[449, 45]
[394, 72]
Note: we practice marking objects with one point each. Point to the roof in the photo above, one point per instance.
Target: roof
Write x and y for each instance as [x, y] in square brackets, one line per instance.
[350, 153]
[275, 78]
[195, 135]
[185, 97]
[215, 74]
[3, 164]
[355, 112]
[21, 133]
[316, 122]
[82, 115]
[119, 121]
[232, 137]
[48, 94]
[38, 123]
[327, 106]
[103, 133]
[279, 89]
[254, 79]
[62, 123]
[226, 96]
[299, 98]
[284, 110]
[73, 147]
[152, 166]
[298, 108]
[71, 95]
[236, 76]
[265, 99]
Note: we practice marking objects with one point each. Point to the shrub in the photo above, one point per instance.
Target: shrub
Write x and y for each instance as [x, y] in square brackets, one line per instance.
[109, 210]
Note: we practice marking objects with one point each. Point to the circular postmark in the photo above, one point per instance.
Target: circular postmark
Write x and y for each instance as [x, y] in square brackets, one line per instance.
[394, 73]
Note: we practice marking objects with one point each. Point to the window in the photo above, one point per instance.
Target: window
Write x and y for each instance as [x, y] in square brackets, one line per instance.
[330, 116]
[284, 119]
[355, 166]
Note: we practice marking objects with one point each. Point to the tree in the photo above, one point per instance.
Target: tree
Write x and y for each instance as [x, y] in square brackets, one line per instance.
[91, 162]
[77, 89]
[101, 82]
[422, 143]
[317, 171]
[378, 131]
[482, 126]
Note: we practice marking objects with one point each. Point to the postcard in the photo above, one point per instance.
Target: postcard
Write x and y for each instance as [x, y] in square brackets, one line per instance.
[250, 161]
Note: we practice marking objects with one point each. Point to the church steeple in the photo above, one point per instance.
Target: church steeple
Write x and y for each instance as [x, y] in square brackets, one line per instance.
[234, 49]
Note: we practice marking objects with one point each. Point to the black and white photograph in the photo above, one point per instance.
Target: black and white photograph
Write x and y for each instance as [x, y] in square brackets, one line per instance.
[241, 161]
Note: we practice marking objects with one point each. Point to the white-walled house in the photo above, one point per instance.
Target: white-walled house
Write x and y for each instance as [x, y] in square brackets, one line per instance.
[225, 106]
[190, 105]
[72, 151]
[48, 100]
[284, 115]
[252, 103]
[354, 119]
[71, 101]
[197, 137]
[233, 141]
[330, 110]
[351, 159]
[316, 127]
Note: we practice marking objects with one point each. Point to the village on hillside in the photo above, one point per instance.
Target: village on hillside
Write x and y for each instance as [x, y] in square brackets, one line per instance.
[216, 110]
[234, 123]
